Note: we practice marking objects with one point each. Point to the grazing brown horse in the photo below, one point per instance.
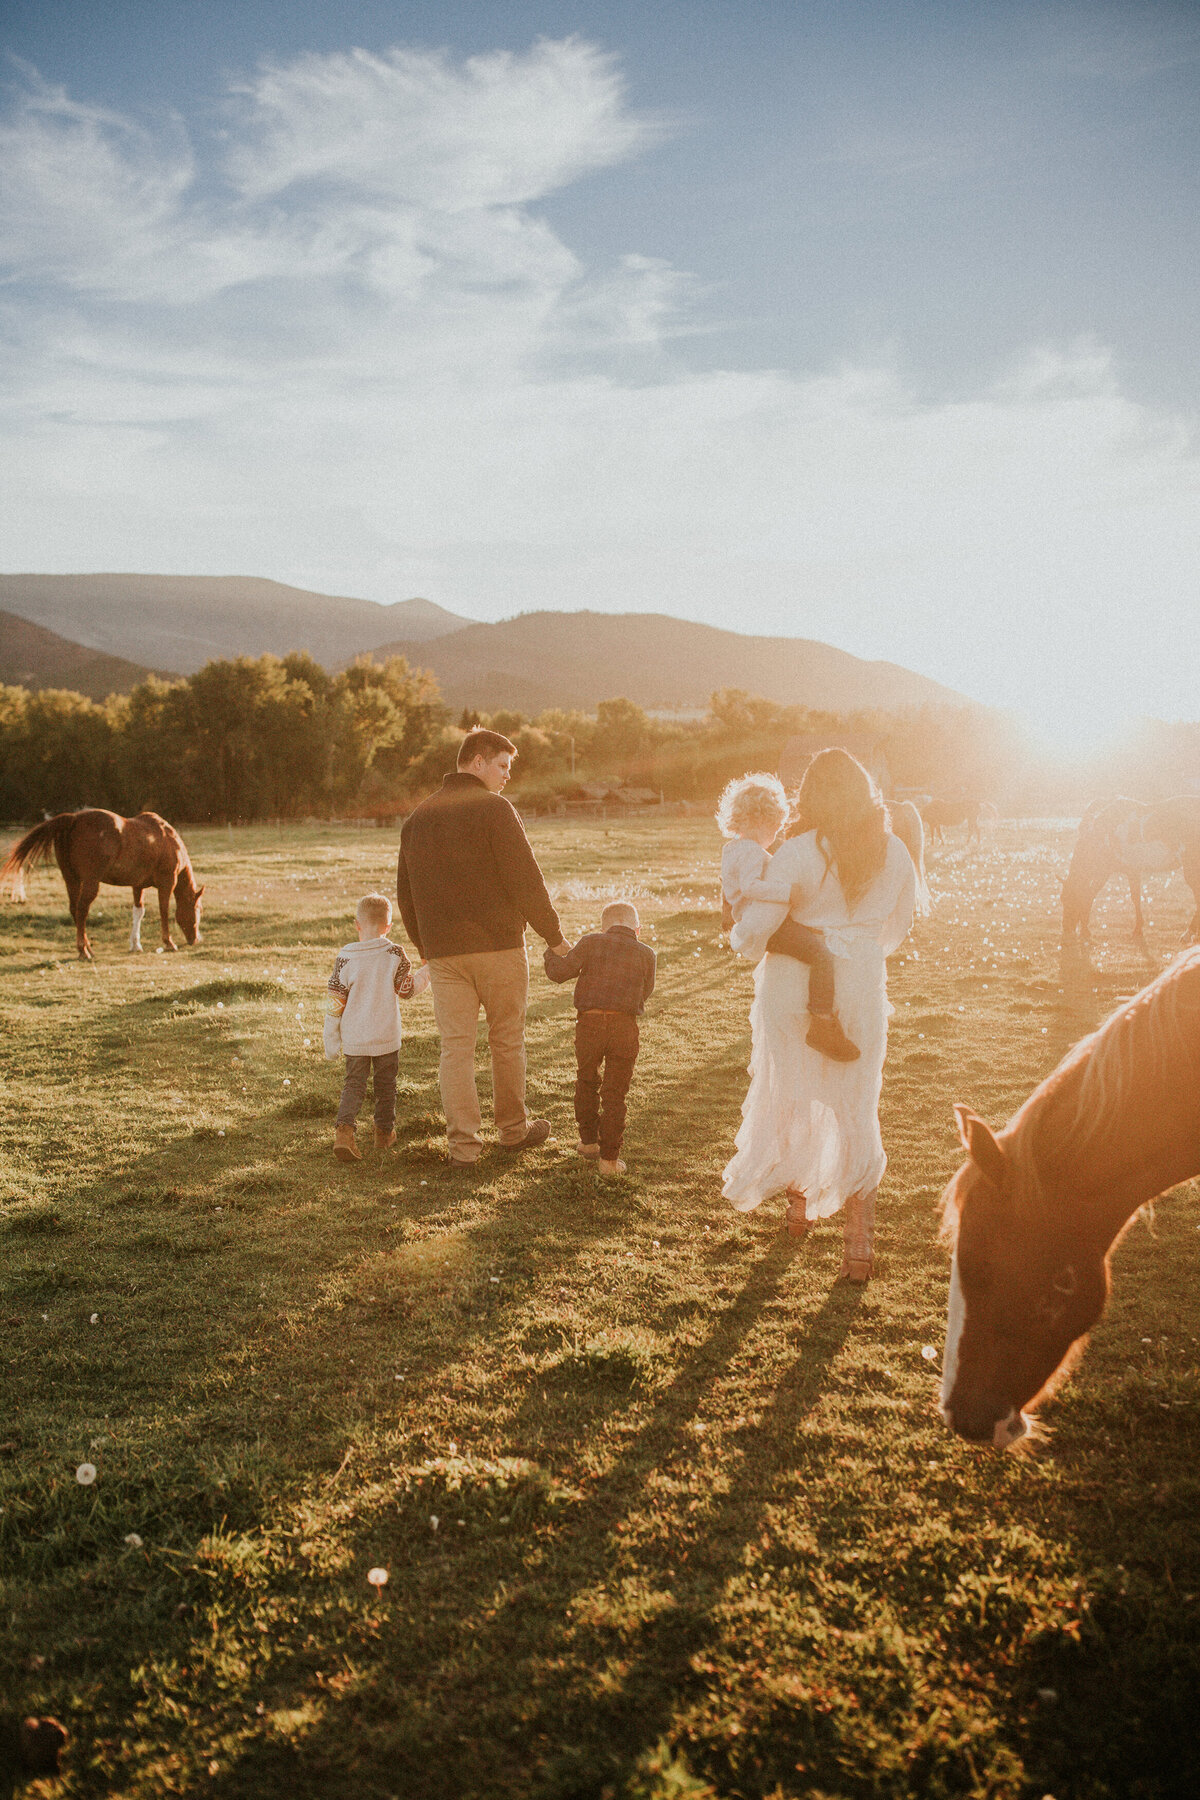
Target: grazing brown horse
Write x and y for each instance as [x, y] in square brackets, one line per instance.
[94, 846]
[1037, 1207]
[1131, 838]
[939, 814]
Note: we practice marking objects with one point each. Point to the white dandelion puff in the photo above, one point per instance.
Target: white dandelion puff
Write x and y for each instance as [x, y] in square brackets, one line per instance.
[85, 1474]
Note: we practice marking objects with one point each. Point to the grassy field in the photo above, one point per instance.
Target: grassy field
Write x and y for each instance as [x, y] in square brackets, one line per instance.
[665, 1512]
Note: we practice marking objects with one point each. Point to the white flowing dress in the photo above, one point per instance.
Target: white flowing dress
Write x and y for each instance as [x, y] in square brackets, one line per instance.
[807, 1121]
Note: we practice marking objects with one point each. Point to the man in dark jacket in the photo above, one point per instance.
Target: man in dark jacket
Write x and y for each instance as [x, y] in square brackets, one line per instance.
[467, 884]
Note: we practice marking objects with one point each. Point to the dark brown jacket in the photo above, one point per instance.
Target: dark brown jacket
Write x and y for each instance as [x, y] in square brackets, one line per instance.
[468, 879]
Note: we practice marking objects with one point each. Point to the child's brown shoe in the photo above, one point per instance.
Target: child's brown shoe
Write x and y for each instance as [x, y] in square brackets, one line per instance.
[589, 1150]
[345, 1144]
[615, 1167]
[826, 1035]
[384, 1139]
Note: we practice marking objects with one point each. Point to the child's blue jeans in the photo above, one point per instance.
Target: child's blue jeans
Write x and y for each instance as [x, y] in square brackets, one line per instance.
[357, 1069]
[808, 946]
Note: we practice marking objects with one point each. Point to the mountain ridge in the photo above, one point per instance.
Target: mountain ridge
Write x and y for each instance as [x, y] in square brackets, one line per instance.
[543, 659]
[32, 657]
[180, 622]
[530, 662]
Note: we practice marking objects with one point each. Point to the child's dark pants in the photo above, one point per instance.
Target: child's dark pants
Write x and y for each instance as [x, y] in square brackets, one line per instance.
[357, 1069]
[808, 946]
[611, 1039]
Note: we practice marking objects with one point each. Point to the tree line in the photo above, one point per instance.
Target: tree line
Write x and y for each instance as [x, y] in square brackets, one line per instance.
[279, 737]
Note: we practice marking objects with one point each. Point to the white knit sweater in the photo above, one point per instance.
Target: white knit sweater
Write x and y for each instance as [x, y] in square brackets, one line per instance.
[362, 1008]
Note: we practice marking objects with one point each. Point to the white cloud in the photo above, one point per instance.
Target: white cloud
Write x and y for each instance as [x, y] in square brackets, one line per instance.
[497, 130]
[365, 363]
[87, 195]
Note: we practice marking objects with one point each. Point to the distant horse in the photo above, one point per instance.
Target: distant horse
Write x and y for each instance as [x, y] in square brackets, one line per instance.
[907, 826]
[1132, 838]
[94, 846]
[1037, 1207]
[940, 814]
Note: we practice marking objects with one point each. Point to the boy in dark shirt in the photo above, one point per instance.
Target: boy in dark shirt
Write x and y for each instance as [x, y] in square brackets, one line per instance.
[614, 979]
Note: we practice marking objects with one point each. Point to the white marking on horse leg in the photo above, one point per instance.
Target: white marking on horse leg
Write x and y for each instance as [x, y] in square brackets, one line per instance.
[955, 1314]
[135, 930]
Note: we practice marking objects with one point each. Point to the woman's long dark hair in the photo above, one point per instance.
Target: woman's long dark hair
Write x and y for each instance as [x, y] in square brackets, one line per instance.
[839, 801]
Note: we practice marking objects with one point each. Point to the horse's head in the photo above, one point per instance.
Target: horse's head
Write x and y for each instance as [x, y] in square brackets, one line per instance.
[187, 905]
[1024, 1291]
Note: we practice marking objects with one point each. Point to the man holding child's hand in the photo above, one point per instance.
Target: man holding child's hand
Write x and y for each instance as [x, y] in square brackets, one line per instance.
[467, 885]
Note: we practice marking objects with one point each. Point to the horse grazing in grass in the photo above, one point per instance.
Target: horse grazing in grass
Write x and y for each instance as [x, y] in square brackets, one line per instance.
[94, 846]
[907, 826]
[1132, 838]
[1037, 1207]
[940, 814]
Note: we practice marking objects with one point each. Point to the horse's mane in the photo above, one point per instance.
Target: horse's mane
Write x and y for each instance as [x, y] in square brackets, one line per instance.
[1137, 1046]
[1081, 1107]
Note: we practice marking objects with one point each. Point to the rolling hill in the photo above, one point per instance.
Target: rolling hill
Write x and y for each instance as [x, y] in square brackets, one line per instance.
[180, 622]
[576, 659]
[32, 657]
[101, 632]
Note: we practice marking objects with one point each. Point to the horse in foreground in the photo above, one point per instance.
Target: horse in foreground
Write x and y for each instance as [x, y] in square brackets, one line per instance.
[95, 846]
[1131, 838]
[1036, 1209]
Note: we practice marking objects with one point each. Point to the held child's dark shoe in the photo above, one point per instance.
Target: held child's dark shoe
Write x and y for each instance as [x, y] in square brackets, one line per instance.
[384, 1140]
[826, 1035]
[345, 1144]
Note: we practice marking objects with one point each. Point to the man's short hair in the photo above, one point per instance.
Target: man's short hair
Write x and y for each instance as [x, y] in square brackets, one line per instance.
[619, 912]
[374, 909]
[488, 744]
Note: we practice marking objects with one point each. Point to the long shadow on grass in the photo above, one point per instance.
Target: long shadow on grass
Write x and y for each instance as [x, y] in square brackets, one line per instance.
[490, 1677]
[1127, 1444]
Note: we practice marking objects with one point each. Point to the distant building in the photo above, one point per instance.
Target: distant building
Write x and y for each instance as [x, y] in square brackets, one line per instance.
[799, 751]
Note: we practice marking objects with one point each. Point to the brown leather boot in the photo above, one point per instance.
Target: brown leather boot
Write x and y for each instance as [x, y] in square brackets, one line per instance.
[826, 1035]
[858, 1239]
[798, 1222]
[384, 1139]
[345, 1144]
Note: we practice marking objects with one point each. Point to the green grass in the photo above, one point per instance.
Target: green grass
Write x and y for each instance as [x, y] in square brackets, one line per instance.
[699, 1530]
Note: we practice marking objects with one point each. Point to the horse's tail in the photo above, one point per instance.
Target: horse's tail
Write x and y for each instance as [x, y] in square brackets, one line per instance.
[37, 846]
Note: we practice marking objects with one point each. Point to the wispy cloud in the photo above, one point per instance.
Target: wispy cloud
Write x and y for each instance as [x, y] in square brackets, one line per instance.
[342, 345]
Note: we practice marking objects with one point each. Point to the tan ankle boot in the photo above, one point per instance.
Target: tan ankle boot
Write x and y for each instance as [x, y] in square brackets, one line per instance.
[345, 1144]
[858, 1239]
[384, 1139]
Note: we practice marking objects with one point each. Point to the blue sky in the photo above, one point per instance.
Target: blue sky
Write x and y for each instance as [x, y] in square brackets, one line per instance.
[868, 322]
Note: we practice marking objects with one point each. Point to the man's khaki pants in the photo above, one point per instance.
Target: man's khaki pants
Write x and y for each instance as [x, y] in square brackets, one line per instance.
[497, 980]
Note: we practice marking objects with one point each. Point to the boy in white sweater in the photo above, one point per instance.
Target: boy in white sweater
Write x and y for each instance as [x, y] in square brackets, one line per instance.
[362, 1022]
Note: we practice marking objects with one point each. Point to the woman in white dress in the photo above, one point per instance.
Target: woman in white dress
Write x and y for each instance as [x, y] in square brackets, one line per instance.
[810, 1127]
